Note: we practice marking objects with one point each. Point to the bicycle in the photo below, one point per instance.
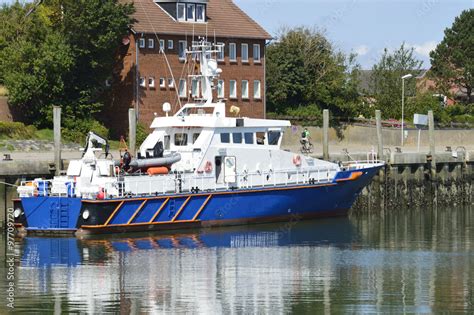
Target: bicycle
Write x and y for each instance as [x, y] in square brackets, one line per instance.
[306, 147]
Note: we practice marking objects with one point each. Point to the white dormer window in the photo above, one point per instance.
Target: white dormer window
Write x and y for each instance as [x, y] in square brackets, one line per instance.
[171, 83]
[162, 83]
[141, 43]
[142, 82]
[245, 53]
[162, 45]
[233, 52]
[170, 44]
[151, 82]
[151, 43]
[181, 12]
[190, 12]
[200, 13]
[256, 53]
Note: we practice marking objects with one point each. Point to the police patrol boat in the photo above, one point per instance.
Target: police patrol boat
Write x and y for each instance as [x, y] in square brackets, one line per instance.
[197, 168]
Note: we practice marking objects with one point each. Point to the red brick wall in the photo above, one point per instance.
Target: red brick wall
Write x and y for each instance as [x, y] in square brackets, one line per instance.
[153, 64]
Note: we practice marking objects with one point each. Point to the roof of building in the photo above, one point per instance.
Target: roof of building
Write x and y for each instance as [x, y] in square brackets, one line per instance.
[224, 19]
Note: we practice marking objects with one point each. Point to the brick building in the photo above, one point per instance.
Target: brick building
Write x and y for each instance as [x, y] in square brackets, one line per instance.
[153, 68]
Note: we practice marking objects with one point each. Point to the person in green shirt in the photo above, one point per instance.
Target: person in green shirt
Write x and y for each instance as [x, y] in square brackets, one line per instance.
[305, 138]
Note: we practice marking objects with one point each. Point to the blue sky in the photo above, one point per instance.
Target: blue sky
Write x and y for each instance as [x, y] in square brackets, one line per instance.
[362, 26]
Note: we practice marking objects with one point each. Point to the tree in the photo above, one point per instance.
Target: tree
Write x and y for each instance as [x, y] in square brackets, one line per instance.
[386, 82]
[305, 74]
[61, 54]
[452, 62]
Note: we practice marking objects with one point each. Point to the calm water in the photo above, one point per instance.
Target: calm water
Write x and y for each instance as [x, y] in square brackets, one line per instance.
[404, 263]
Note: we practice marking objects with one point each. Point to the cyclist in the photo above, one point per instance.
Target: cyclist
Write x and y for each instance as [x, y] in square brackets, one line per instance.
[305, 138]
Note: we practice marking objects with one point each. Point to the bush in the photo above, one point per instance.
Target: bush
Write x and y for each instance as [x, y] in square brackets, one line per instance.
[76, 131]
[142, 133]
[16, 130]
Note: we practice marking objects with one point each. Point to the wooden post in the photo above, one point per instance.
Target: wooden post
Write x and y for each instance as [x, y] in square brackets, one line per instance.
[326, 134]
[431, 132]
[378, 118]
[132, 133]
[57, 138]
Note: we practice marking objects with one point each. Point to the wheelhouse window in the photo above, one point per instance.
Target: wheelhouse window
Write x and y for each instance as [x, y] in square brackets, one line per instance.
[191, 13]
[256, 53]
[195, 137]
[248, 136]
[182, 88]
[261, 138]
[167, 142]
[257, 94]
[274, 137]
[237, 137]
[233, 52]
[182, 50]
[180, 139]
[200, 13]
[181, 12]
[220, 89]
[225, 138]
[245, 89]
[245, 53]
[233, 89]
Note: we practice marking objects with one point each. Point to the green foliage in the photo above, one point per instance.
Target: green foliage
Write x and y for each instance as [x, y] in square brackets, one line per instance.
[422, 103]
[16, 130]
[386, 82]
[305, 74]
[453, 59]
[142, 133]
[61, 54]
[76, 131]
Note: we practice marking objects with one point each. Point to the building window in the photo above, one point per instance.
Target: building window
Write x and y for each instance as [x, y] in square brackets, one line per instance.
[220, 89]
[257, 94]
[221, 53]
[233, 52]
[141, 43]
[190, 12]
[200, 13]
[151, 43]
[273, 137]
[256, 53]
[233, 89]
[182, 49]
[142, 82]
[248, 136]
[170, 44]
[171, 83]
[245, 89]
[225, 138]
[181, 12]
[195, 88]
[245, 53]
[237, 137]
[180, 139]
[182, 88]
[151, 82]
[162, 83]
[162, 45]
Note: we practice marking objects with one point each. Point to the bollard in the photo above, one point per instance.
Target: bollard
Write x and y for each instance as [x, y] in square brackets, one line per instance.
[378, 118]
[57, 138]
[132, 133]
[326, 134]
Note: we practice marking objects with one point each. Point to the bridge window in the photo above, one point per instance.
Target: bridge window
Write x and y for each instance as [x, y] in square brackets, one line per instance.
[248, 138]
[273, 137]
[237, 137]
[261, 138]
[195, 137]
[225, 138]
[167, 142]
[180, 139]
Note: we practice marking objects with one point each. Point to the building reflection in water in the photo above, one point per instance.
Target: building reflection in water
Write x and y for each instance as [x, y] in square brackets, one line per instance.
[421, 262]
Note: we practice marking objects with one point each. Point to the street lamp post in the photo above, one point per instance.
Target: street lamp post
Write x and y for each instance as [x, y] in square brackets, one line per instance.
[407, 76]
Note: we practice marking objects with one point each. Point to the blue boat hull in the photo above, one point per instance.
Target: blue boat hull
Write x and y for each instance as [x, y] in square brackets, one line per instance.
[279, 203]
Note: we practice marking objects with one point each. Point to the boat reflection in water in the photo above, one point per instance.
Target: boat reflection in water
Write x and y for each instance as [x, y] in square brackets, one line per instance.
[355, 265]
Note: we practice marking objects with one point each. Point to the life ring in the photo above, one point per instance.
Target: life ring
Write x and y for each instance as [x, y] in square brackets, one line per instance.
[297, 160]
[208, 167]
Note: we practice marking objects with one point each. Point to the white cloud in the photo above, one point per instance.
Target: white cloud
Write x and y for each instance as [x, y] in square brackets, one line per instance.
[362, 50]
[425, 48]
